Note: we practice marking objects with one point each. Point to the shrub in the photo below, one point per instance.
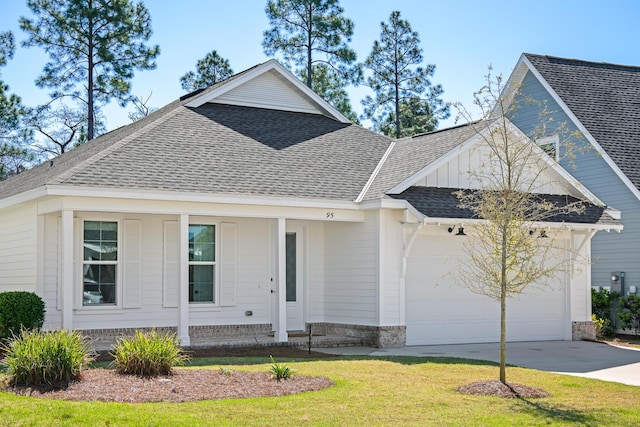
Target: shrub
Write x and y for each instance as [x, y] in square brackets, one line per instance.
[629, 313]
[602, 302]
[603, 327]
[20, 310]
[147, 354]
[46, 359]
[280, 372]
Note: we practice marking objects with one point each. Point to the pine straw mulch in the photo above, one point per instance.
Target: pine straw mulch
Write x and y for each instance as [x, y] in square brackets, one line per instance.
[498, 389]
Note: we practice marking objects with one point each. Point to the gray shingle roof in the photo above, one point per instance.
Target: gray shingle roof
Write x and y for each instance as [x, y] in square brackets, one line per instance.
[220, 149]
[443, 203]
[606, 100]
[410, 155]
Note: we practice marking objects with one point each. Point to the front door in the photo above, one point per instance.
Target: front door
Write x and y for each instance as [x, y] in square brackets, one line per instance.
[294, 278]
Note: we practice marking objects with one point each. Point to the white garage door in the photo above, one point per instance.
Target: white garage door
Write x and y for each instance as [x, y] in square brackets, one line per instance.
[440, 312]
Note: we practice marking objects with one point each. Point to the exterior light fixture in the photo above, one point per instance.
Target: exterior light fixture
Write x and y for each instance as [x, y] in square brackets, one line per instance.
[460, 230]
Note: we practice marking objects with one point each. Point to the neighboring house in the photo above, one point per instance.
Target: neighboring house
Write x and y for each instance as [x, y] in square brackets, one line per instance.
[253, 207]
[602, 102]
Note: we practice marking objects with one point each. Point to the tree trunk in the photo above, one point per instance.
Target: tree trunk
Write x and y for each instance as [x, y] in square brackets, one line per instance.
[503, 310]
[90, 107]
[397, 89]
[309, 40]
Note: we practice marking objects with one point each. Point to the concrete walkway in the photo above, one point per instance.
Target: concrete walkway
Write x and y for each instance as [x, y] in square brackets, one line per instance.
[581, 358]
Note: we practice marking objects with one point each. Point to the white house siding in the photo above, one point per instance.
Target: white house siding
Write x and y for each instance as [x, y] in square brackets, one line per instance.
[391, 247]
[268, 91]
[314, 254]
[18, 248]
[252, 279]
[351, 272]
[461, 172]
[439, 311]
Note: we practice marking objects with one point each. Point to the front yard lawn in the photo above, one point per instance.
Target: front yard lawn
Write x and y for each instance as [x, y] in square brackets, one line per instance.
[368, 392]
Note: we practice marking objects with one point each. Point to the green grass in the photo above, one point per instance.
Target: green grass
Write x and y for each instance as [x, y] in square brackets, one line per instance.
[368, 392]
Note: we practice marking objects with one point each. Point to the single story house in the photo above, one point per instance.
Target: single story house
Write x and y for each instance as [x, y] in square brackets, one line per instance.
[254, 207]
[600, 101]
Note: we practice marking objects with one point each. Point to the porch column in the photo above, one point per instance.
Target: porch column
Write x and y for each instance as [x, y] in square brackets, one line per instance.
[66, 276]
[183, 265]
[281, 288]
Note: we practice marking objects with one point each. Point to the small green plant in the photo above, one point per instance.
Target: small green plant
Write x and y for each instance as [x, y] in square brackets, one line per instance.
[148, 354]
[46, 359]
[629, 313]
[20, 310]
[603, 327]
[280, 372]
[226, 371]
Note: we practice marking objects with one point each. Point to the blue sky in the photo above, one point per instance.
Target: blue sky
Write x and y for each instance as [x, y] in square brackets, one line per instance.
[460, 37]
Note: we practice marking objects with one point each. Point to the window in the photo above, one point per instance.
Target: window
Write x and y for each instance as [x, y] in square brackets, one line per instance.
[202, 263]
[100, 263]
[549, 145]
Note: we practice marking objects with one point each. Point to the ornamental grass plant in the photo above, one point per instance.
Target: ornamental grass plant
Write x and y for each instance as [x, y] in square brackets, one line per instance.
[46, 359]
[148, 354]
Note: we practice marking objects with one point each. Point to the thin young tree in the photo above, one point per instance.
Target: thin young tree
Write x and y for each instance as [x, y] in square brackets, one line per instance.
[14, 136]
[505, 254]
[94, 47]
[314, 36]
[141, 107]
[210, 70]
[402, 87]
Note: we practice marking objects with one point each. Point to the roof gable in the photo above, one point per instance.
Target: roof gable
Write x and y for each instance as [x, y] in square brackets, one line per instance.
[602, 102]
[269, 85]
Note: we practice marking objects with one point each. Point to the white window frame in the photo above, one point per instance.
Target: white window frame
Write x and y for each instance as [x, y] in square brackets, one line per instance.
[118, 263]
[216, 269]
[548, 141]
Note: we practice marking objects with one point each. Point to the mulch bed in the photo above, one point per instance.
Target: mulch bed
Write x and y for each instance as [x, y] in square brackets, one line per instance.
[498, 389]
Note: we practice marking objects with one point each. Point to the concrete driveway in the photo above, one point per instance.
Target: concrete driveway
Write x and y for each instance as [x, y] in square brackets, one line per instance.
[581, 358]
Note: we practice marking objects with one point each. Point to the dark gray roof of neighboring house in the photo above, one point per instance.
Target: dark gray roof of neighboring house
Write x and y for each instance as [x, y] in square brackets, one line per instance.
[606, 100]
[443, 203]
[410, 155]
[220, 149]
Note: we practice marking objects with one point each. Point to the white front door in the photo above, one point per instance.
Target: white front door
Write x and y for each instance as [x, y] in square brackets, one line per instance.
[294, 278]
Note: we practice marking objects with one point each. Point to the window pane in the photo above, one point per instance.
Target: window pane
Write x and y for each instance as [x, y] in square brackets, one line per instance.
[99, 284]
[290, 263]
[100, 241]
[202, 243]
[201, 283]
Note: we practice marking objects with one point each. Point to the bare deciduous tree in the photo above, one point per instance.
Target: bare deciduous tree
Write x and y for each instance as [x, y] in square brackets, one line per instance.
[505, 253]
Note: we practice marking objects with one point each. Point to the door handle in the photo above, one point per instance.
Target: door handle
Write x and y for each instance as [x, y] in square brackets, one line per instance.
[272, 291]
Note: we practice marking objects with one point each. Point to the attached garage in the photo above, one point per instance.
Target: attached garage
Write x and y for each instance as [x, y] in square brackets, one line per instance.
[440, 312]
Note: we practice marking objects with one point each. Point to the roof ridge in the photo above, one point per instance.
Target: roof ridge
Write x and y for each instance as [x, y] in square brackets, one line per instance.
[583, 61]
[113, 147]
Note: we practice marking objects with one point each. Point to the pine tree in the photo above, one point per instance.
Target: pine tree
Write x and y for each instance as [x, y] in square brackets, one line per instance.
[94, 48]
[313, 35]
[403, 90]
[209, 70]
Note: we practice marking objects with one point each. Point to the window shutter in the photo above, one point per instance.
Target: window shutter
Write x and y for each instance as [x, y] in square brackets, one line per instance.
[59, 256]
[228, 248]
[171, 264]
[78, 276]
[132, 264]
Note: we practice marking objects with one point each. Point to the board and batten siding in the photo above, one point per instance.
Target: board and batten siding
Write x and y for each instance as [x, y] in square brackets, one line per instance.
[461, 171]
[351, 271]
[612, 251]
[18, 248]
[146, 303]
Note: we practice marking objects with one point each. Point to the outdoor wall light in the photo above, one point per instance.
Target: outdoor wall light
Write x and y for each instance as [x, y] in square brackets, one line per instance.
[460, 230]
[542, 235]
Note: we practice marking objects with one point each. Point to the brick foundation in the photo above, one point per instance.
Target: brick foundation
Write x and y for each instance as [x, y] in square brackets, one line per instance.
[583, 331]
[372, 336]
